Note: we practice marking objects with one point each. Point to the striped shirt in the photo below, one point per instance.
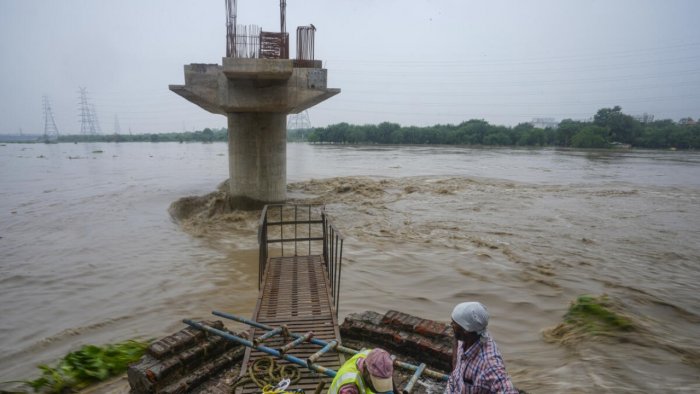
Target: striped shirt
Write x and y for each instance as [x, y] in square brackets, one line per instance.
[479, 370]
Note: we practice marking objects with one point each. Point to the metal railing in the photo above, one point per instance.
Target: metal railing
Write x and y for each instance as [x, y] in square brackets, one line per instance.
[301, 230]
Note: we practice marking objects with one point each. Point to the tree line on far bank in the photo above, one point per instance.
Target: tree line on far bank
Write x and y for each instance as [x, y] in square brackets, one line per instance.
[609, 127]
[206, 135]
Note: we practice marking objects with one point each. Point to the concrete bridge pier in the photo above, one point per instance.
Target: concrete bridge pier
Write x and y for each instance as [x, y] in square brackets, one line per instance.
[256, 95]
[257, 156]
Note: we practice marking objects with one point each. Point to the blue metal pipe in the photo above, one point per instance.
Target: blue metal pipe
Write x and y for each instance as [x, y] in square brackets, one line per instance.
[409, 386]
[265, 349]
[296, 342]
[253, 323]
[428, 372]
[267, 335]
[312, 358]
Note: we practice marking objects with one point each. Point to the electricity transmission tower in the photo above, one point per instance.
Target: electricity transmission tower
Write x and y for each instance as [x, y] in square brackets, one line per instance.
[50, 129]
[299, 121]
[88, 116]
[299, 125]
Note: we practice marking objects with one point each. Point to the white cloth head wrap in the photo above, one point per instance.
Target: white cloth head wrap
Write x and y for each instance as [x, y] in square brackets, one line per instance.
[471, 316]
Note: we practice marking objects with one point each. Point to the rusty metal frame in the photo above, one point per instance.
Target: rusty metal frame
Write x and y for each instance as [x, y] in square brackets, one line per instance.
[274, 45]
[312, 227]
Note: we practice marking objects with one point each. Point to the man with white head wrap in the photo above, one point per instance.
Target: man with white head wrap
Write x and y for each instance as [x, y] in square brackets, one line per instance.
[477, 365]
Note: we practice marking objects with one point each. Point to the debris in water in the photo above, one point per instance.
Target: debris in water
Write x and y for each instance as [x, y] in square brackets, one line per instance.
[590, 316]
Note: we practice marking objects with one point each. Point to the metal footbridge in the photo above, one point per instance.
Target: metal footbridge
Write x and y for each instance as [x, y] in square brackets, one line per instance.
[296, 316]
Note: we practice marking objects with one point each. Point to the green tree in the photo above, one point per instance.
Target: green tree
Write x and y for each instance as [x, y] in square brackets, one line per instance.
[207, 135]
[385, 131]
[498, 138]
[695, 136]
[532, 137]
[621, 127]
[590, 137]
[657, 134]
[566, 130]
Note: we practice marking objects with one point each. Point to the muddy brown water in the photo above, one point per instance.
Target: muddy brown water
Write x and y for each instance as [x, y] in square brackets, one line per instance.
[89, 254]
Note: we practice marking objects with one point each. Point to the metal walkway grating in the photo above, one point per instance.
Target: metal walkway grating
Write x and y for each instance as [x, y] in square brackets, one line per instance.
[296, 292]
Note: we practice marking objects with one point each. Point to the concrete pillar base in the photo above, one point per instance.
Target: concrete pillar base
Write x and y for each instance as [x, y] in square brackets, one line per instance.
[257, 147]
[248, 204]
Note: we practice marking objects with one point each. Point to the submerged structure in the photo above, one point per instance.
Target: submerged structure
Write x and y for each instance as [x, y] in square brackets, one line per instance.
[256, 86]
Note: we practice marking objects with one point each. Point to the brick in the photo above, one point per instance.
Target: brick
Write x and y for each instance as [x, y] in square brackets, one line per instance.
[185, 361]
[430, 328]
[180, 340]
[425, 340]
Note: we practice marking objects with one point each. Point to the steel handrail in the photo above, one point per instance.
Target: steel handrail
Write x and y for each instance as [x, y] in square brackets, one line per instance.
[331, 240]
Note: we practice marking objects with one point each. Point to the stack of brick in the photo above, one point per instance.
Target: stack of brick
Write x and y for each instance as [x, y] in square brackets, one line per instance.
[424, 340]
[183, 361]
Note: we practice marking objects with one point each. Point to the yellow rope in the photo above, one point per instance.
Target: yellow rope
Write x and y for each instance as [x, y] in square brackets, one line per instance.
[266, 373]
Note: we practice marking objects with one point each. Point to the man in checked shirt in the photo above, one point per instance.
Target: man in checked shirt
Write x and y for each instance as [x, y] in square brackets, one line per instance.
[477, 365]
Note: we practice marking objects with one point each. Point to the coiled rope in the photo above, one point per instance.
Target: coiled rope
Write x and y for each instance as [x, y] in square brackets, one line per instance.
[266, 373]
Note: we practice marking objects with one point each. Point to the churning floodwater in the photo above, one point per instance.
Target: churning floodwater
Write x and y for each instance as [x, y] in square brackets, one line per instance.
[89, 253]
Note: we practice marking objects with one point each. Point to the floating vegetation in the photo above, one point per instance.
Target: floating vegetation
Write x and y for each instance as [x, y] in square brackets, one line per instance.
[88, 365]
[590, 316]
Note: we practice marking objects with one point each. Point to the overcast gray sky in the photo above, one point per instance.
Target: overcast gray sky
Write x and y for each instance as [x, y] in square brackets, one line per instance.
[418, 62]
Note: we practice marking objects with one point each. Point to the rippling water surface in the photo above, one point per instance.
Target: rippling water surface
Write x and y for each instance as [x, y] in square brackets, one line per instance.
[89, 254]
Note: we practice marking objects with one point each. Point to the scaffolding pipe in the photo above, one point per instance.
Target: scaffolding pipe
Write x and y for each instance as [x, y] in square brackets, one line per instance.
[409, 386]
[410, 367]
[314, 357]
[284, 349]
[261, 326]
[267, 335]
[265, 349]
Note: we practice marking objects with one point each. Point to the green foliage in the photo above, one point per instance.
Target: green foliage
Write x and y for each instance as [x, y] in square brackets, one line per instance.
[621, 128]
[588, 317]
[87, 365]
[590, 137]
[206, 135]
[594, 315]
[567, 130]
[498, 138]
[609, 125]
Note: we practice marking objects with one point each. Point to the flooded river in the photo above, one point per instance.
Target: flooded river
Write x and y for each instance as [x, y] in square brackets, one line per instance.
[89, 254]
